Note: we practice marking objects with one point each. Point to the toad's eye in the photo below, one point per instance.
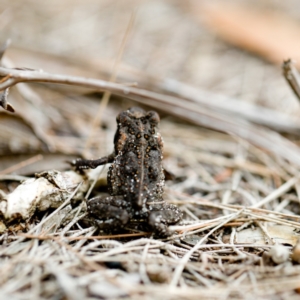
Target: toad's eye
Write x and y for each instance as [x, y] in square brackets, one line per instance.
[153, 117]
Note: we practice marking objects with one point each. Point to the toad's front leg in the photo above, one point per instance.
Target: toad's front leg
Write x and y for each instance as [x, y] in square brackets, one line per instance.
[108, 213]
[82, 164]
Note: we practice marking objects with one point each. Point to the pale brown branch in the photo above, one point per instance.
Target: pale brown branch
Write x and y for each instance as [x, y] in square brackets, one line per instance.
[190, 111]
[291, 75]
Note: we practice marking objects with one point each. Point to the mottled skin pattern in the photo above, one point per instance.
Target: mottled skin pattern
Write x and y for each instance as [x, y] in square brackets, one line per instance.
[135, 178]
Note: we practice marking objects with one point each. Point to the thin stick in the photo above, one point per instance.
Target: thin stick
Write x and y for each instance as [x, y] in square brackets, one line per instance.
[291, 75]
[179, 269]
[106, 96]
[195, 200]
[68, 200]
[94, 182]
[177, 106]
[22, 164]
[78, 238]
[265, 231]
[278, 192]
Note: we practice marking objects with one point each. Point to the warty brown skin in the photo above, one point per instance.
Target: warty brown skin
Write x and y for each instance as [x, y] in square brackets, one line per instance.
[135, 178]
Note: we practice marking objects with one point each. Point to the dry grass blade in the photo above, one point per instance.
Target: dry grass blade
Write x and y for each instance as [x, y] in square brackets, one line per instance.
[106, 96]
[277, 193]
[187, 256]
[56, 211]
[193, 113]
[292, 76]
[231, 130]
[94, 237]
[22, 164]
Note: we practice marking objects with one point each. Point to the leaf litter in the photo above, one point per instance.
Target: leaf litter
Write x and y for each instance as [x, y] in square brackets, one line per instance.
[233, 159]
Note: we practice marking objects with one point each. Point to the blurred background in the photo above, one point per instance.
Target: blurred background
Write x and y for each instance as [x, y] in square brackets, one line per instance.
[233, 49]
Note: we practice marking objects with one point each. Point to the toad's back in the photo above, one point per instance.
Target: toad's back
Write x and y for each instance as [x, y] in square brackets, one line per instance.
[137, 172]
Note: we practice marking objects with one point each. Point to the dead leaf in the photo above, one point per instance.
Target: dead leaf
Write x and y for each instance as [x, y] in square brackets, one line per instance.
[49, 189]
[279, 233]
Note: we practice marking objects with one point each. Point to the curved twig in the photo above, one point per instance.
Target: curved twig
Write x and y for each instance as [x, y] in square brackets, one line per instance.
[190, 111]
